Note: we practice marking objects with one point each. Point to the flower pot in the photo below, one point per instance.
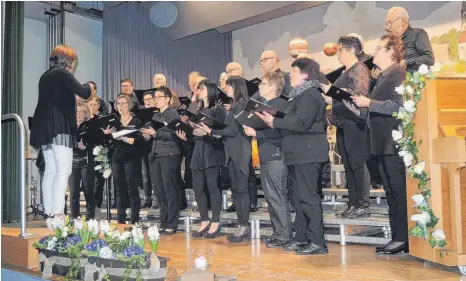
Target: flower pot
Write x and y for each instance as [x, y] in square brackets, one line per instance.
[61, 263]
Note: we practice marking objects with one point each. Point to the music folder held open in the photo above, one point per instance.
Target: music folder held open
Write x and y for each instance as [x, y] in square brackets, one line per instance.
[339, 94]
[257, 106]
[177, 125]
[208, 121]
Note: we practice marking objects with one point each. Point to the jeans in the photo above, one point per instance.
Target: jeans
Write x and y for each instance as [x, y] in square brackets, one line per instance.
[58, 166]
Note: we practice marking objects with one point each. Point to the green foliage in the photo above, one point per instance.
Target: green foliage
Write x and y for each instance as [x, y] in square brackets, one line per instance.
[136, 262]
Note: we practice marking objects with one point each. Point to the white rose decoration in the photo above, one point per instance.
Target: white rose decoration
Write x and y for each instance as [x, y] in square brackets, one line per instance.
[439, 235]
[410, 90]
[419, 199]
[125, 235]
[98, 167]
[423, 69]
[409, 106]
[422, 218]
[407, 157]
[106, 253]
[400, 89]
[93, 227]
[419, 167]
[107, 173]
[397, 135]
[153, 233]
[96, 150]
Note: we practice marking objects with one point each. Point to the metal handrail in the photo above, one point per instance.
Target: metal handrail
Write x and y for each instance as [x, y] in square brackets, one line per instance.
[22, 161]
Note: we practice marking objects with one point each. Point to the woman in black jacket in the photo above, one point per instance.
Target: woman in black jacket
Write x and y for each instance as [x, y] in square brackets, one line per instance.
[165, 162]
[206, 162]
[54, 125]
[238, 156]
[126, 161]
[305, 150]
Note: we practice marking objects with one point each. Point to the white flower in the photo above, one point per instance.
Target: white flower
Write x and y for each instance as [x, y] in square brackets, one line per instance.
[397, 135]
[407, 157]
[104, 227]
[419, 199]
[409, 106]
[93, 227]
[64, 234]
[153, 233]
[78, 224]
[125, 235]
[419, 167]
[106, 253]
[423, 69]
[55, 223]
[97, 167]
[107, 173]
[436, 67]
[54, 239]
[439, 235]
[96, 150]
[137, 234]
[409, 89]
[422, 218]
[400, 89]
[51, 244]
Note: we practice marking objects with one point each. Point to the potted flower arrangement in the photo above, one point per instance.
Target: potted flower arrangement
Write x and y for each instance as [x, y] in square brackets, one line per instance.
[63, 247]
[122, 254]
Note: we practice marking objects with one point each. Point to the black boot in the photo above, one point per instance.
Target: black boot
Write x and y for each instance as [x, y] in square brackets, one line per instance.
[347, 212]
[360, 213]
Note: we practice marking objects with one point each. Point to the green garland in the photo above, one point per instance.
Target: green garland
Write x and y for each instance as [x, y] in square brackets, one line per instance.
[411, 92]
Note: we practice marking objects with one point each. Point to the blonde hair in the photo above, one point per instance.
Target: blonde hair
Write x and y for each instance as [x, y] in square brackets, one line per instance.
[83, 106]
[123, 96]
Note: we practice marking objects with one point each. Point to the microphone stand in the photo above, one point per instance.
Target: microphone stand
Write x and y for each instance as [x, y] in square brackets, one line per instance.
[108, 183]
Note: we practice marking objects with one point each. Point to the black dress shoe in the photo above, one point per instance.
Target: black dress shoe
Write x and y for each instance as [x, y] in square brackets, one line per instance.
[200, 232]
[381, 248]
[231, 209]
[349, 210]
[312, 249]
[168, 232]
[267, 239]
[395, 248]
[360, 213]
[276, 243]
[147, 204]
[254, 208]
[292, 246]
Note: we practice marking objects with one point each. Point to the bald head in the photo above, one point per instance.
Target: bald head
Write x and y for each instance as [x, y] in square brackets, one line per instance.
[234, 69]
[269, 61]
[396, 21]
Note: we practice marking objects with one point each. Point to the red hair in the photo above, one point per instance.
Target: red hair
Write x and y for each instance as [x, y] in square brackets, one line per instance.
[62, 56]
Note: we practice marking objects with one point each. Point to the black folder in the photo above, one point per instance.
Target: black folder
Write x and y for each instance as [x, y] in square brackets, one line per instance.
[184, 112]
[156, 125]
[176, 125]
[145, 114]
[250, 119]
[102, 122]
[252, 87]
[185, 102]
[339, 94]
[223, 98]
[140, 94]
[257, 106]
[208, 121]
[256, 81]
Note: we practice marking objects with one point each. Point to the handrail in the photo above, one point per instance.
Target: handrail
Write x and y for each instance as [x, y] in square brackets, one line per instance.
[22, 161]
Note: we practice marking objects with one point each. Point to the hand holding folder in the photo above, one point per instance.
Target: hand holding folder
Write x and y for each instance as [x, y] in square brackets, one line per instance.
[257, 106]
[208, 121]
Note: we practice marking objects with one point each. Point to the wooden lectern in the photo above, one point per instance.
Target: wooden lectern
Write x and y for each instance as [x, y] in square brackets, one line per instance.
[440, 122]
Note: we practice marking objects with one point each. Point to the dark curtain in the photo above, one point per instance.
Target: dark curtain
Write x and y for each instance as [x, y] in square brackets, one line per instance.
[134, 47]
[11, 103]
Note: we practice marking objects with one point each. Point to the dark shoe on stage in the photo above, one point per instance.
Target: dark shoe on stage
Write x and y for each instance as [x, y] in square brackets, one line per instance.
[168, 232]
[216, 233]
[292, 246]
[312, 249]
[254, 208]
[267, 239]
[395, 248]
[147, 204]
[243, 234]
[276, 243]
[231, 209]
[200, 232]
[348, 211]
[381, 248]
[360, 213]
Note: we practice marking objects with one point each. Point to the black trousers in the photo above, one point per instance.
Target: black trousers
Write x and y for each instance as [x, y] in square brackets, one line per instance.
[166, 174]
[393, 173]
[146, 179]
[274, 184]
[240, 192]
[99, 189]
[373, 169]
[208, 177]
[307, 198]
[252, 185]
[78, 175]
[126, 181]
[351, 141]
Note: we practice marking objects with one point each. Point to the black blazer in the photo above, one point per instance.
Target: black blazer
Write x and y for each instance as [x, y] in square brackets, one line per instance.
[304, 129]
[166, 142]
[384, 102]
[237, 144]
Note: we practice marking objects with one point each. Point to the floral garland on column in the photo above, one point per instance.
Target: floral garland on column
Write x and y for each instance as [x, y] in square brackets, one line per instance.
[426, 220]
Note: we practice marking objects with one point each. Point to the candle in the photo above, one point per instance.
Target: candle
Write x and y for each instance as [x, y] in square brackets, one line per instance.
[201, 263]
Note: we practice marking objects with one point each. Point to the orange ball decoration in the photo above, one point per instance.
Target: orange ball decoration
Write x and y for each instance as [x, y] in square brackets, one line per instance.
[330, 49]
[297, 46]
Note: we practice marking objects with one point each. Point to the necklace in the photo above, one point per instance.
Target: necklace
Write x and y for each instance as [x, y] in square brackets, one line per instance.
[125, 121]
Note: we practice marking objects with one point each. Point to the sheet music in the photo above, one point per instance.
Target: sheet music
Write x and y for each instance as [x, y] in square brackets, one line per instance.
[122, 133]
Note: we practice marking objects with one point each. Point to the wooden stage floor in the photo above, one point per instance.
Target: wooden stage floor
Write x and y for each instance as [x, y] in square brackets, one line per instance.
[253, 261]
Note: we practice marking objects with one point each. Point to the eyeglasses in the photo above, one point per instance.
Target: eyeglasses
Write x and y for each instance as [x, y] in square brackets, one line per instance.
[159, 97]
[125, 86]
[378, 48]
[389, 23]
[122, 103]
[229, 71]
[148, 99]
[265, 59]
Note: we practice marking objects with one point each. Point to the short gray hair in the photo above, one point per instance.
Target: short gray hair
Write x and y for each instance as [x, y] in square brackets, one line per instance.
[400, 11]
[123, 96]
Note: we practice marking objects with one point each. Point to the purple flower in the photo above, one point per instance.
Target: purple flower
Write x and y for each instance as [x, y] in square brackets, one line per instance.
[132, 251]
[96, 244]
[71, 241]
[44, 239]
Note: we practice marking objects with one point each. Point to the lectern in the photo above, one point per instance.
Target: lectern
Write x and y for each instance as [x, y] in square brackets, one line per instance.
[440, 122]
